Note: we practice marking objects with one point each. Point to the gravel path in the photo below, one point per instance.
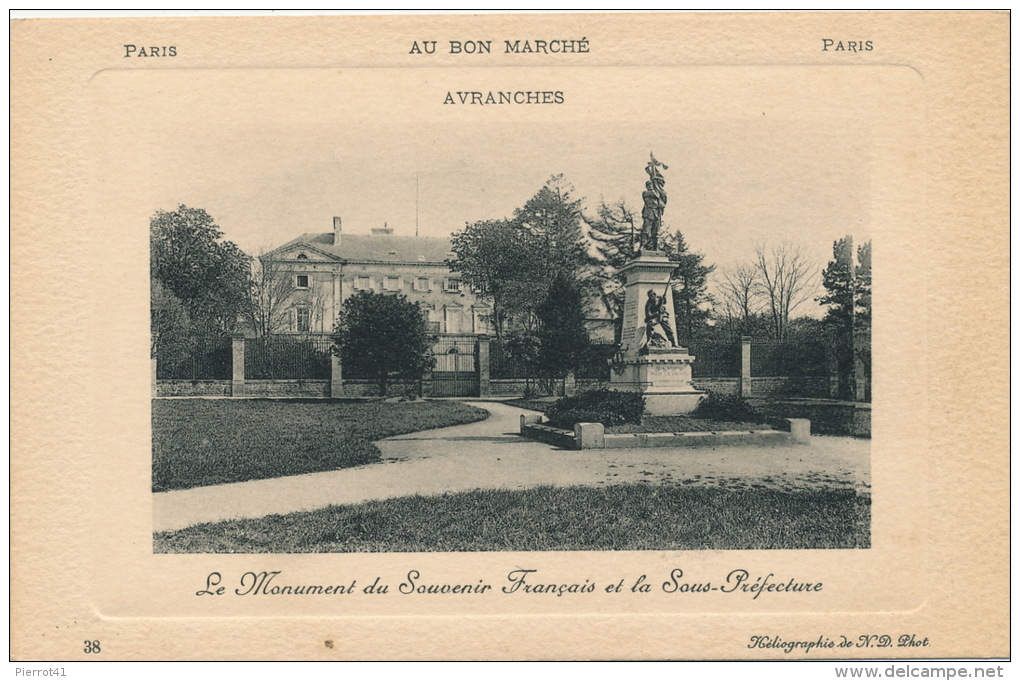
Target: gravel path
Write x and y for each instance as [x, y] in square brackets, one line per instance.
[490, 454]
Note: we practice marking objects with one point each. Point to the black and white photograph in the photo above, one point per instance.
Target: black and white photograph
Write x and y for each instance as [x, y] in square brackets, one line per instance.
[535, 337]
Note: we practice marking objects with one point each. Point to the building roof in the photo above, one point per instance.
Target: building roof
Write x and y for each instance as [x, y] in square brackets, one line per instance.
[377, 247]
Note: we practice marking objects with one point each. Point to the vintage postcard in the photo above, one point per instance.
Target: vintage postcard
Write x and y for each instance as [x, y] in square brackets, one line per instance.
[553, 336]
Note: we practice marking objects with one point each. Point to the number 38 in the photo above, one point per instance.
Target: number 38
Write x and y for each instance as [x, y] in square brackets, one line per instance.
[92, 646]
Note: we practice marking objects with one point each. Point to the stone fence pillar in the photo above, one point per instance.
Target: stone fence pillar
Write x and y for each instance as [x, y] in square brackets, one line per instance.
[860, 381]
[336, 376]
[237, 362]
[154, 345]
[745, 367]
[484, 378]
[570, 384]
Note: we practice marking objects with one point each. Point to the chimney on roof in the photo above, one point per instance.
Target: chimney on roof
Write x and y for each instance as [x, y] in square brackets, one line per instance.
[337, 228]
[385, 229]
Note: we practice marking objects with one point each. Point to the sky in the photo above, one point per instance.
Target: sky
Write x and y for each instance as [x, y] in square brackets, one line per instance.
[271, 158]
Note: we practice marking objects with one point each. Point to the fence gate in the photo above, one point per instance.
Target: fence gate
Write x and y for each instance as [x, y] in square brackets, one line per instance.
[456, 370]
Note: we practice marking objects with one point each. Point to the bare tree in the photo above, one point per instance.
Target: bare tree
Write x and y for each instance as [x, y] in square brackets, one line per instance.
[785, 279]
[739, 292]
[269, 297]
[319, 303]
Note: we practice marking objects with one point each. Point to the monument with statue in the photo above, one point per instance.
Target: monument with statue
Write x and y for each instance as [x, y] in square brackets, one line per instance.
[651, 359]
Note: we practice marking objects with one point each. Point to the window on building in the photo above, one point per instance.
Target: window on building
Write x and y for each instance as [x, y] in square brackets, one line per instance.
[363, 283]
[480, 317]
[452, 285]
[391, 284]
[431, 321]
[303, 317]
[302, 256]
[453, 319]
[302, 281]
[422, 284]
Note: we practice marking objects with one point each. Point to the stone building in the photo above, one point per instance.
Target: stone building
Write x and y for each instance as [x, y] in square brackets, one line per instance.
[327, 268]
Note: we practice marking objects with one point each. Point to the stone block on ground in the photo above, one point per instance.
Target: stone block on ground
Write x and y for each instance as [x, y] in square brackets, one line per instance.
[590, 435]
[800, 430]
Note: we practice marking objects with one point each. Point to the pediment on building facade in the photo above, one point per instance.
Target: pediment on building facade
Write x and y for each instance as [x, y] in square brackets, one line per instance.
[301, 252]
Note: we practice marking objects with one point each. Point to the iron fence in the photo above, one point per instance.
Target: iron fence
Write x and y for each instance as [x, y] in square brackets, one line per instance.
[507, 360]
[790, 358]
[596, 361]
[715, 359]
[194, 359]
[286, 357]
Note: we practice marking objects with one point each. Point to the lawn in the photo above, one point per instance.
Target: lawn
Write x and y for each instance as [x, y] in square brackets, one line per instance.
[533, 403]
[621, 517]
[209, 442]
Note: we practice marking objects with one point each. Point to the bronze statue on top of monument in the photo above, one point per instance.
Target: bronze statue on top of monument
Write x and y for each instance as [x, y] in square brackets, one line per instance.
[654, 198]
[652, 361]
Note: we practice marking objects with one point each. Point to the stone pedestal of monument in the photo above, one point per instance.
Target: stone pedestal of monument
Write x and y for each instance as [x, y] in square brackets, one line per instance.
[661, 374]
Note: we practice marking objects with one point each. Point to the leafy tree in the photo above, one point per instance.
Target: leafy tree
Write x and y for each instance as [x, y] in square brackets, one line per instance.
[384, 336]
[613, 232]
[562, 336]
[848, 295]
[171, 323]
[522, 345]
[495, 257]
[190, 259]
[553, 217]
[513, 261]
[690, 284]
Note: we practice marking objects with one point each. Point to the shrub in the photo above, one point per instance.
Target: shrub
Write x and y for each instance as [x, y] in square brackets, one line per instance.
[726, 408]
[608, 407]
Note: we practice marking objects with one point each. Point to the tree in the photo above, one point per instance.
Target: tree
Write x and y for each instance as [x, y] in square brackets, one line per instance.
[273, 295]
[190, 259]
[738, 291]
[613, 232]
[848, 295]
[495, 258]
[514, 261]
[270, 290]
[562, 336]
[690, 283]
[170, 322]
[553, 218]
[383, 336]
[785, 280]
